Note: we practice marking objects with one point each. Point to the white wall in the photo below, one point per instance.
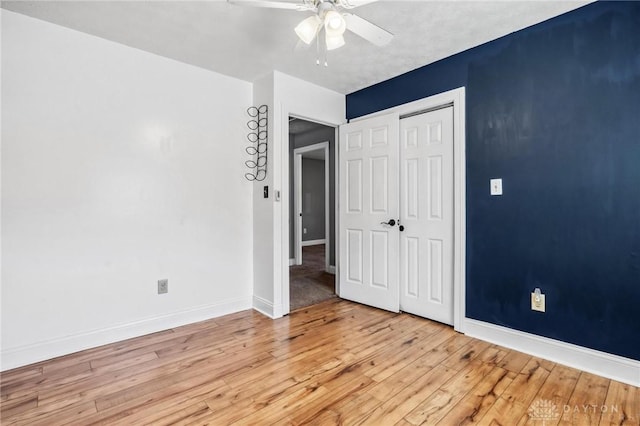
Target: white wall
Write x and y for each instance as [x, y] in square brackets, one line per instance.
[263, 254]
[119, 168]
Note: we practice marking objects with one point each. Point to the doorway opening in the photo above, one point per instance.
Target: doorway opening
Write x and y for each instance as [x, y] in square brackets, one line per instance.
[312, 218]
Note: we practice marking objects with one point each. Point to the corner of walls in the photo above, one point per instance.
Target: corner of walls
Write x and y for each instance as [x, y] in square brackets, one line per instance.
[264, 306]
[263, 216]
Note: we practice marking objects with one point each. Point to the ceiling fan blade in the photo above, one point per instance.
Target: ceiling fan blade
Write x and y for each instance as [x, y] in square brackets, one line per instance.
[350, 4]
[272, 4]
[367, 30]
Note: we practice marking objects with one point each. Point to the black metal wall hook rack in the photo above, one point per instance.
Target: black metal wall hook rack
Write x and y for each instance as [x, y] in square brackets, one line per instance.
[257, 138]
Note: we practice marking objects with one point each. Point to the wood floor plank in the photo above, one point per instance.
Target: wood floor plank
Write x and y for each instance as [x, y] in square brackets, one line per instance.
[504, 411]
[584, 406]
[120, 380]
[50, 384]
[331, 364]
[514, 361]
[20, 375]
[405, 377]
[464, 356]
[63, 416]
[262, 393]
[398, 405]
[512, 406]
[553, 396]
[8, 398]
[622, 405]
[275, 411]
[161, 407]
[57, 377]
[193, 413]
[194, 375]
[124, 362]
[448, 395]
[475, 404]
[346, 411]
[526, 384]
[413, 346]
[15, 406]
[492, 355]
[345, 383]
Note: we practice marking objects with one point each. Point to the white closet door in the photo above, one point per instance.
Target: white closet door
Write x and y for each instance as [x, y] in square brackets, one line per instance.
[368, 197]
[426, 213]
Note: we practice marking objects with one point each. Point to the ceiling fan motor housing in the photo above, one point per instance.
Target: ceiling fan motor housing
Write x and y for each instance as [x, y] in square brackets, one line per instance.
[330, 18]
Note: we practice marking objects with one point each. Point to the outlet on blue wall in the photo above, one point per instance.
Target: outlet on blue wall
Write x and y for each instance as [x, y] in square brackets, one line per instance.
[554, 110]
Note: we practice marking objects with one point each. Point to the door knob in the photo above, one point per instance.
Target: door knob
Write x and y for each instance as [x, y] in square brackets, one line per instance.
[390, 223]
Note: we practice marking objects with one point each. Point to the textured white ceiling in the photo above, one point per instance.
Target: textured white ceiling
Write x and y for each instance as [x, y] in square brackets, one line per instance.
[247, 43]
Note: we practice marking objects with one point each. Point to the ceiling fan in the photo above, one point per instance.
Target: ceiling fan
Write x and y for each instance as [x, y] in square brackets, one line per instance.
[329, 17]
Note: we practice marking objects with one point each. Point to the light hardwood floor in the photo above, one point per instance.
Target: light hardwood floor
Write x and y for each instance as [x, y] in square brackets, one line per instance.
[333, 363]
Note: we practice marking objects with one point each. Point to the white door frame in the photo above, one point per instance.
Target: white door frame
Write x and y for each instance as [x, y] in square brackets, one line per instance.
[456, 98]
[286, 96]
[297, 200]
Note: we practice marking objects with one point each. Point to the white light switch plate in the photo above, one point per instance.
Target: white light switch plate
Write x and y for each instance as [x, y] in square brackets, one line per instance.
[496, 186]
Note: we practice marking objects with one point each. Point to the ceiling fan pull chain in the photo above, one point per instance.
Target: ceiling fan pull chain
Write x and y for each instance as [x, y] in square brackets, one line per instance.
[323, 47]
[326, 63]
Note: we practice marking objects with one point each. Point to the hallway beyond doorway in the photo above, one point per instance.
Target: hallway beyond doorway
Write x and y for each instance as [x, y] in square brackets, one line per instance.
[309, 282]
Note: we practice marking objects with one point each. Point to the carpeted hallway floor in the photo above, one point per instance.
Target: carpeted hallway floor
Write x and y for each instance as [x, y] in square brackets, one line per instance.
[309, 283]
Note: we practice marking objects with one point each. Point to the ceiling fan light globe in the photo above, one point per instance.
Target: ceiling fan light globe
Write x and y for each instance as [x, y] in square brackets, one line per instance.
[308, 28]
[334, 24]
[334, 42]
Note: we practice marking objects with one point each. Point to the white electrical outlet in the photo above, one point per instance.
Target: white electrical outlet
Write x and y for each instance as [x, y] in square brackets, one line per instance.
[163, 286]
[304, 230]
[537, 301]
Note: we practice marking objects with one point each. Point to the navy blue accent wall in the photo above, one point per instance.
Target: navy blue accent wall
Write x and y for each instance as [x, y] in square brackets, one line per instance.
[553, 110]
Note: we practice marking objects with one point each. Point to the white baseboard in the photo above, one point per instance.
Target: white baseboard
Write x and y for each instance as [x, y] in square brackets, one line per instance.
[332, 269]
[20, 356]
[313, 242]
[590, 360]
[292, 261]
[263, 306]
